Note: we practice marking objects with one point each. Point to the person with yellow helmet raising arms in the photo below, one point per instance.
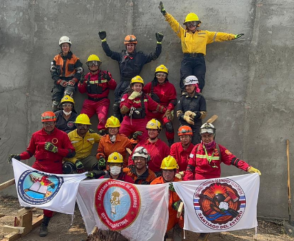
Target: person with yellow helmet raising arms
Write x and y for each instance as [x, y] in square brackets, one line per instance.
[115, 166]
[193, 42]
[157, 149]
[66, 117]
[130, 63]
[164, 93]
[113, 141]
[169, 167]
[66, 70]
[136, 105]
[96, 84]
[83, 140]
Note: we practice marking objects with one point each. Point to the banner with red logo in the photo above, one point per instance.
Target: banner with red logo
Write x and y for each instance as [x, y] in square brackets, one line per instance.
[221, 204]
[138, 212]
[46, 190]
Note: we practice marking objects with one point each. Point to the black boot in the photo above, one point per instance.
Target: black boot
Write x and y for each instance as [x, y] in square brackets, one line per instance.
[44, 227]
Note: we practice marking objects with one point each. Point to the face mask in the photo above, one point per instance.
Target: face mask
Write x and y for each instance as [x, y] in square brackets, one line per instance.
[210, 145]
[113, 138]
[115, 170]
[67, 113]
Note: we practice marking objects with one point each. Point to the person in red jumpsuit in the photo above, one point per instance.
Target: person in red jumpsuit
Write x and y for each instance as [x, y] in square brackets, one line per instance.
[136, 106]
[164, 93]
[169, 168]
[206, 157]
[156, 148]
[49, 146]
[181, 150]
[97, 84]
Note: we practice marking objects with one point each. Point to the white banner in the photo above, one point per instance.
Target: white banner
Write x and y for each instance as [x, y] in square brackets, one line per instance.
[46, 190]
[138, 212]
[222, 204]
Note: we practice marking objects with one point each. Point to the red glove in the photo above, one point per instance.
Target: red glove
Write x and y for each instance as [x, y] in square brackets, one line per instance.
[71, 82]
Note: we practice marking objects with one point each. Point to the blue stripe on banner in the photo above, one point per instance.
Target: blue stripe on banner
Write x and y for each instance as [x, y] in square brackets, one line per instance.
[197, 208]
[196, 200]
[242, 206]
[242, 197]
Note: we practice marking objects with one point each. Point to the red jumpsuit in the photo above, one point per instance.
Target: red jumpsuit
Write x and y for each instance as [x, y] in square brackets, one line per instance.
[97, 89]
[167, 95]
[47, 161]
[200, 168]
[181, 155]
[173, 197]
[157, 151]
[137, 122]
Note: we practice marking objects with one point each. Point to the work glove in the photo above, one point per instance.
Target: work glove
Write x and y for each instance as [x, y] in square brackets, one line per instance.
[63, 83]
[106, 76]
[168, 115]
[159, 37]
[102, 162]
[190, 113]
[102, 35]
[71, 82]
[134, 95]
[253, 170]
[91, 131]
[79, 166]
[50, 147]
[171, 187]
[95, 174]
[188, 119]
[15, 156]
[239, 35]
[161, 8]
[176, 205]
[136, 134]
[180, 175]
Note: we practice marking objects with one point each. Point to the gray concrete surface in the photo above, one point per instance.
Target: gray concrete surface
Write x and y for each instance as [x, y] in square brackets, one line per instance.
[248, 81]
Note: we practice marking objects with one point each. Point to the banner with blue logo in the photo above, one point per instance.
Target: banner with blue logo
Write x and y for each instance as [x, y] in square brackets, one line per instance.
[221, 204]
[46, 190]
[138, 212]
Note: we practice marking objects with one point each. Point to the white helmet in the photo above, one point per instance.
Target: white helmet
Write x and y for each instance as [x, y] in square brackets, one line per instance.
[141, 152]
[191, 80]
[207, 128]
[64, 39]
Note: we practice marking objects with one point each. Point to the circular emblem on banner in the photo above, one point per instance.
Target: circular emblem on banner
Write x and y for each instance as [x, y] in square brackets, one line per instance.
[54, 141]
[220, 203]
[117, 204]
[37, 188]
[70, 124]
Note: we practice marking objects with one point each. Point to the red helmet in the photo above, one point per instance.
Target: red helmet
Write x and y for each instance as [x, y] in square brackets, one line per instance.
[185, 131]
[130, 39]
[48, 116]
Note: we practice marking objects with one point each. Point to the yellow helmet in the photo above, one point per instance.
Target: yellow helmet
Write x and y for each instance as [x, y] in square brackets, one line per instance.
[112, 121]
[153, 124]
[83, 119]
[115, 157]
[191, 17]
[67, 98]
[93, 57]
[161, 68]
[137, 79]
[169, 163]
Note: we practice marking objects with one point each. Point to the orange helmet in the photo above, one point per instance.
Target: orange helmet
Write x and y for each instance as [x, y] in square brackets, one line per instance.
[48, 116]
[185, 130]
[130, 39]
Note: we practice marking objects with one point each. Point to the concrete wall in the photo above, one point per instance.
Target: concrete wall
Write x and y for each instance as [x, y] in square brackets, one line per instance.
[248, 81]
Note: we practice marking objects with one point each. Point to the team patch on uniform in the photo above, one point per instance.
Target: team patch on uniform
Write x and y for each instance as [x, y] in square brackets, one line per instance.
[54, 141]
[191, 155]
[70, 124]
[228, 152]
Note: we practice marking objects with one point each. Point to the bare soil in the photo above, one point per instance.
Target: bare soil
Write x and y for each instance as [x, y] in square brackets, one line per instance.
[60, 227]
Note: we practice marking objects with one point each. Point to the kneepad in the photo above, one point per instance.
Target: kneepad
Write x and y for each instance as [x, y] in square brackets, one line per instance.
[169, 127]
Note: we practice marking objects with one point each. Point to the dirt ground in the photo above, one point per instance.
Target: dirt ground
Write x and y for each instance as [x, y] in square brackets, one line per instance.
[60, 229]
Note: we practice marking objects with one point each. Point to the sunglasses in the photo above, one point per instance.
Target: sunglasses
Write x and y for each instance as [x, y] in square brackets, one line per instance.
[160, 75]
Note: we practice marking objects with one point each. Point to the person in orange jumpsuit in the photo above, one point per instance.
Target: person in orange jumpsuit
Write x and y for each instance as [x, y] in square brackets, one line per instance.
[136, 106]
[164, 93]
[140, 171]
[169, 168]
[113, 141]
[181, 150]
[49, 146]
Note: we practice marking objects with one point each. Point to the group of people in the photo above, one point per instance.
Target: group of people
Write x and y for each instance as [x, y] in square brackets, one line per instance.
[129, 147]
